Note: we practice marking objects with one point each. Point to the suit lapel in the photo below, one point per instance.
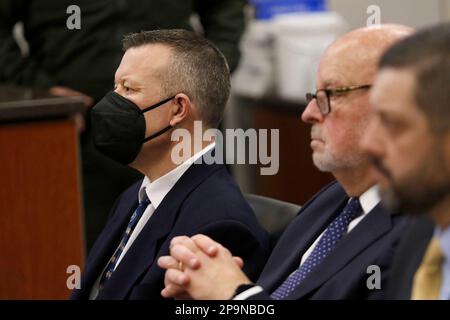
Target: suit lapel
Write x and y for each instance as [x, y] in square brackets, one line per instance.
[300, 235]
[376, 224]
[141, 254]
[108, 240]
[144, 249]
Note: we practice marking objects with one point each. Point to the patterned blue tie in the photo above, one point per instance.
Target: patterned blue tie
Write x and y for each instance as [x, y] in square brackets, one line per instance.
[330, 238]
[131, 225]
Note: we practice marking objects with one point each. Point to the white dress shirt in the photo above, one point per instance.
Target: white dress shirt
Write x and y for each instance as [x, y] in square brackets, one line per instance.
[444, 240]
[368, 200]
[156, 192]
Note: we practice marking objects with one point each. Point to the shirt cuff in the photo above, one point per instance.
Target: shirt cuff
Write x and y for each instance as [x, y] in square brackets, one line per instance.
[248, 293]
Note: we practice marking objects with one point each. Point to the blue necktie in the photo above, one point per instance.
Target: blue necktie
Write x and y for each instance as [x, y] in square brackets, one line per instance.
[335, 231]
[131, 225]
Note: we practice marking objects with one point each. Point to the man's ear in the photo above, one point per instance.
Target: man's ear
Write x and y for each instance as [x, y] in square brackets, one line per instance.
[181, 110]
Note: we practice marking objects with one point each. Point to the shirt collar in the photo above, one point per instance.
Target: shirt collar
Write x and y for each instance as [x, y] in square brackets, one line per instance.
[369, 199]
[158, 189]
[444, 240]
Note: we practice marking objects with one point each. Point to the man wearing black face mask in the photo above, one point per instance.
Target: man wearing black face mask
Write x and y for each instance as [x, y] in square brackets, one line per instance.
[120, 127]
[167, 79]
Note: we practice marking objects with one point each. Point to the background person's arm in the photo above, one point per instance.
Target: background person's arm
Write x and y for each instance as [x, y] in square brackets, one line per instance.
[223, 22]
[15, 68]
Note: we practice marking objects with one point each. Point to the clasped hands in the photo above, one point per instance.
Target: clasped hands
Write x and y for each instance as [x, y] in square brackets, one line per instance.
[200, 268]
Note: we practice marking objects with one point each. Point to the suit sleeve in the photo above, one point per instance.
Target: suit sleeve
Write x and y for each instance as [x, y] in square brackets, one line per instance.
[14, 68]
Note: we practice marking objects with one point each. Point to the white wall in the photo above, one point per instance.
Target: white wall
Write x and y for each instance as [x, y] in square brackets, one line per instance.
[414, 13]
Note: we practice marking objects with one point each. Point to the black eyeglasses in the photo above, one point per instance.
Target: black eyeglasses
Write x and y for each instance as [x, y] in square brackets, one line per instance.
[322, 96]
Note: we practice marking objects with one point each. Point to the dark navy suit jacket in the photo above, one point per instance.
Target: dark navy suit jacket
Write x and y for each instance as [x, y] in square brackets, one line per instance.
[409, 255]
[343, 273]
[205, 200]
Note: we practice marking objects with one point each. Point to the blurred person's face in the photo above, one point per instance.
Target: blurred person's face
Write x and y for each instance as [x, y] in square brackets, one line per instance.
[335, 137]
[409, 159]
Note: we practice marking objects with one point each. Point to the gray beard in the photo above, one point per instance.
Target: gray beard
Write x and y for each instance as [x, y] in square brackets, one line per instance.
[327, 163]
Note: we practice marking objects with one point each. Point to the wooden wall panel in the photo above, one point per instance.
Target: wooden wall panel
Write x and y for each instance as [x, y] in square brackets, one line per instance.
[297, 179]
[40, 211]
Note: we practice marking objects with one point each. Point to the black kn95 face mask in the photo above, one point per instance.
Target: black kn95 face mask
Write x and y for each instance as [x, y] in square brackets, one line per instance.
[118, 126]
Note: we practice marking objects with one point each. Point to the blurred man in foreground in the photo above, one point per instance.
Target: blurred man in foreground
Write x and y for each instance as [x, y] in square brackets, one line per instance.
[409, 140]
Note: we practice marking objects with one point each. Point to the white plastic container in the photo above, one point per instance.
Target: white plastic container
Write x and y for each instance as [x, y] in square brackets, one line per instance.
[300, 40]
[255, 76]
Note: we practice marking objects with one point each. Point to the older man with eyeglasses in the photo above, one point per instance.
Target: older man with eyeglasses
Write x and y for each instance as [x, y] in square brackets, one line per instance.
[340, 245]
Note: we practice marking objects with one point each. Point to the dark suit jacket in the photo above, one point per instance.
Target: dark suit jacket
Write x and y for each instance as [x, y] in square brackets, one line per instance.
[408, 257]
[343, 273]
[205, 200]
